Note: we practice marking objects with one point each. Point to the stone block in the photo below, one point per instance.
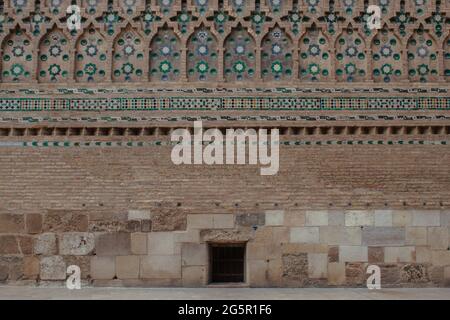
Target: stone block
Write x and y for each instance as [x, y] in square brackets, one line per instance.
[416, 236]
[200, 221]
[251, 219]
[447, 273]
[353, 254]
[65, 221]
[76, 243]
[423, 255]
[45, 244]
[194, 276]
[440, 258]
[256, 251]
[295, 267]
[257, 273]
[376, 254]
[193, 254]
[31, 267]
[401, 218]
[336, 218]
[139, 215]
[113, 244]
[12, 223]
[83, 262]
[414, 273]
[357, 218]
[280, 235]
[161, 243]
[103, 268]
[383, 236]
[399, 254]
[274, 217]
[336, 274]
[426, 218]
[160, 267]
[338, 235]
[192, 235]
[383, 218]
[146, 225]
[438, 238]
[33, 223]
[139, 243]
[317, 265]
[304, 235]
[127, 267]
[223, 221]
[296, 248]
[53, 268]
[316, 218]
[296, 218]
[333, 254]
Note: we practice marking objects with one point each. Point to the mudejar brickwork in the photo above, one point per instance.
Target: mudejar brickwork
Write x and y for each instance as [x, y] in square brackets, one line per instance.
[86, 117]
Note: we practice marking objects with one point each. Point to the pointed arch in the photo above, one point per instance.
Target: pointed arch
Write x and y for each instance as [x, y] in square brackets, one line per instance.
[315, 58]
[17, 57]
[239, 55]
[165, 55]
[351, 60]
[422, 57]
[128, 57]
[276, 55]
[91, 56]
[386, 56]
[202, 55]
[54, 57]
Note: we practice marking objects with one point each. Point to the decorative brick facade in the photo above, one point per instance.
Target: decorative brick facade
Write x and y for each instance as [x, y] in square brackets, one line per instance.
[85, 121]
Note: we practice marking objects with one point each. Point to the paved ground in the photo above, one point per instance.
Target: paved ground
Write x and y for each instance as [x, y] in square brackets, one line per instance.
[17, 292]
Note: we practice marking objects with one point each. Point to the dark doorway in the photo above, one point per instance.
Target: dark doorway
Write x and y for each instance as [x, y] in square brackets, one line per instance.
[227, 262]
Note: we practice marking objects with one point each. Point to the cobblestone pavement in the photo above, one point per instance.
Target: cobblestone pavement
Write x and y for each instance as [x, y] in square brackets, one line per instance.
[16, 292]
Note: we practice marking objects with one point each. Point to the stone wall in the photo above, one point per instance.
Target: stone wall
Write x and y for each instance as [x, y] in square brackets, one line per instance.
[129, 217]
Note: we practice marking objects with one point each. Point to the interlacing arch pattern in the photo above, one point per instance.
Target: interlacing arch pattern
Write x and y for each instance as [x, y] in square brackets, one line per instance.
[214, 41]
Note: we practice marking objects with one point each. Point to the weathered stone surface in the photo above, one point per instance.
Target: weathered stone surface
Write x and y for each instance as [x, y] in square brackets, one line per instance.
[103, 267]
[192, 235]
[390, 274]
[438, 238]
[317, 265]
[139, 243]
[423, 255]
[426, 218]
[295, 218]
[355, 273]
[399, 254]
[11, 268]
[416, 236]
[65, 221]
[383, 218]
[133, 226]
[440, 258]
[16, 244]
[295, 266]
[316, 218]
[161, 243]
[193, 254]
[336, 274]
[376, 254]
[83, 262]
[304, 235]
[356, 218]
[223, 221]
[160, 267]
[401, 218]
[353, 254]
[257, 272]
[414, 273]
[30, 267]
[12, 223]
[295, 248]
[336, 218]
[107, 226]
[251, 219]
[337, 235]
[194, 276]
[274, 217]
[76, 243]
[33, 223]
[333, 254]
[146, 225]
[139, 215]
[127, 267]
[113, 244]
[383, 236]
[45, 244]
[168, 219]
[53, 268]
